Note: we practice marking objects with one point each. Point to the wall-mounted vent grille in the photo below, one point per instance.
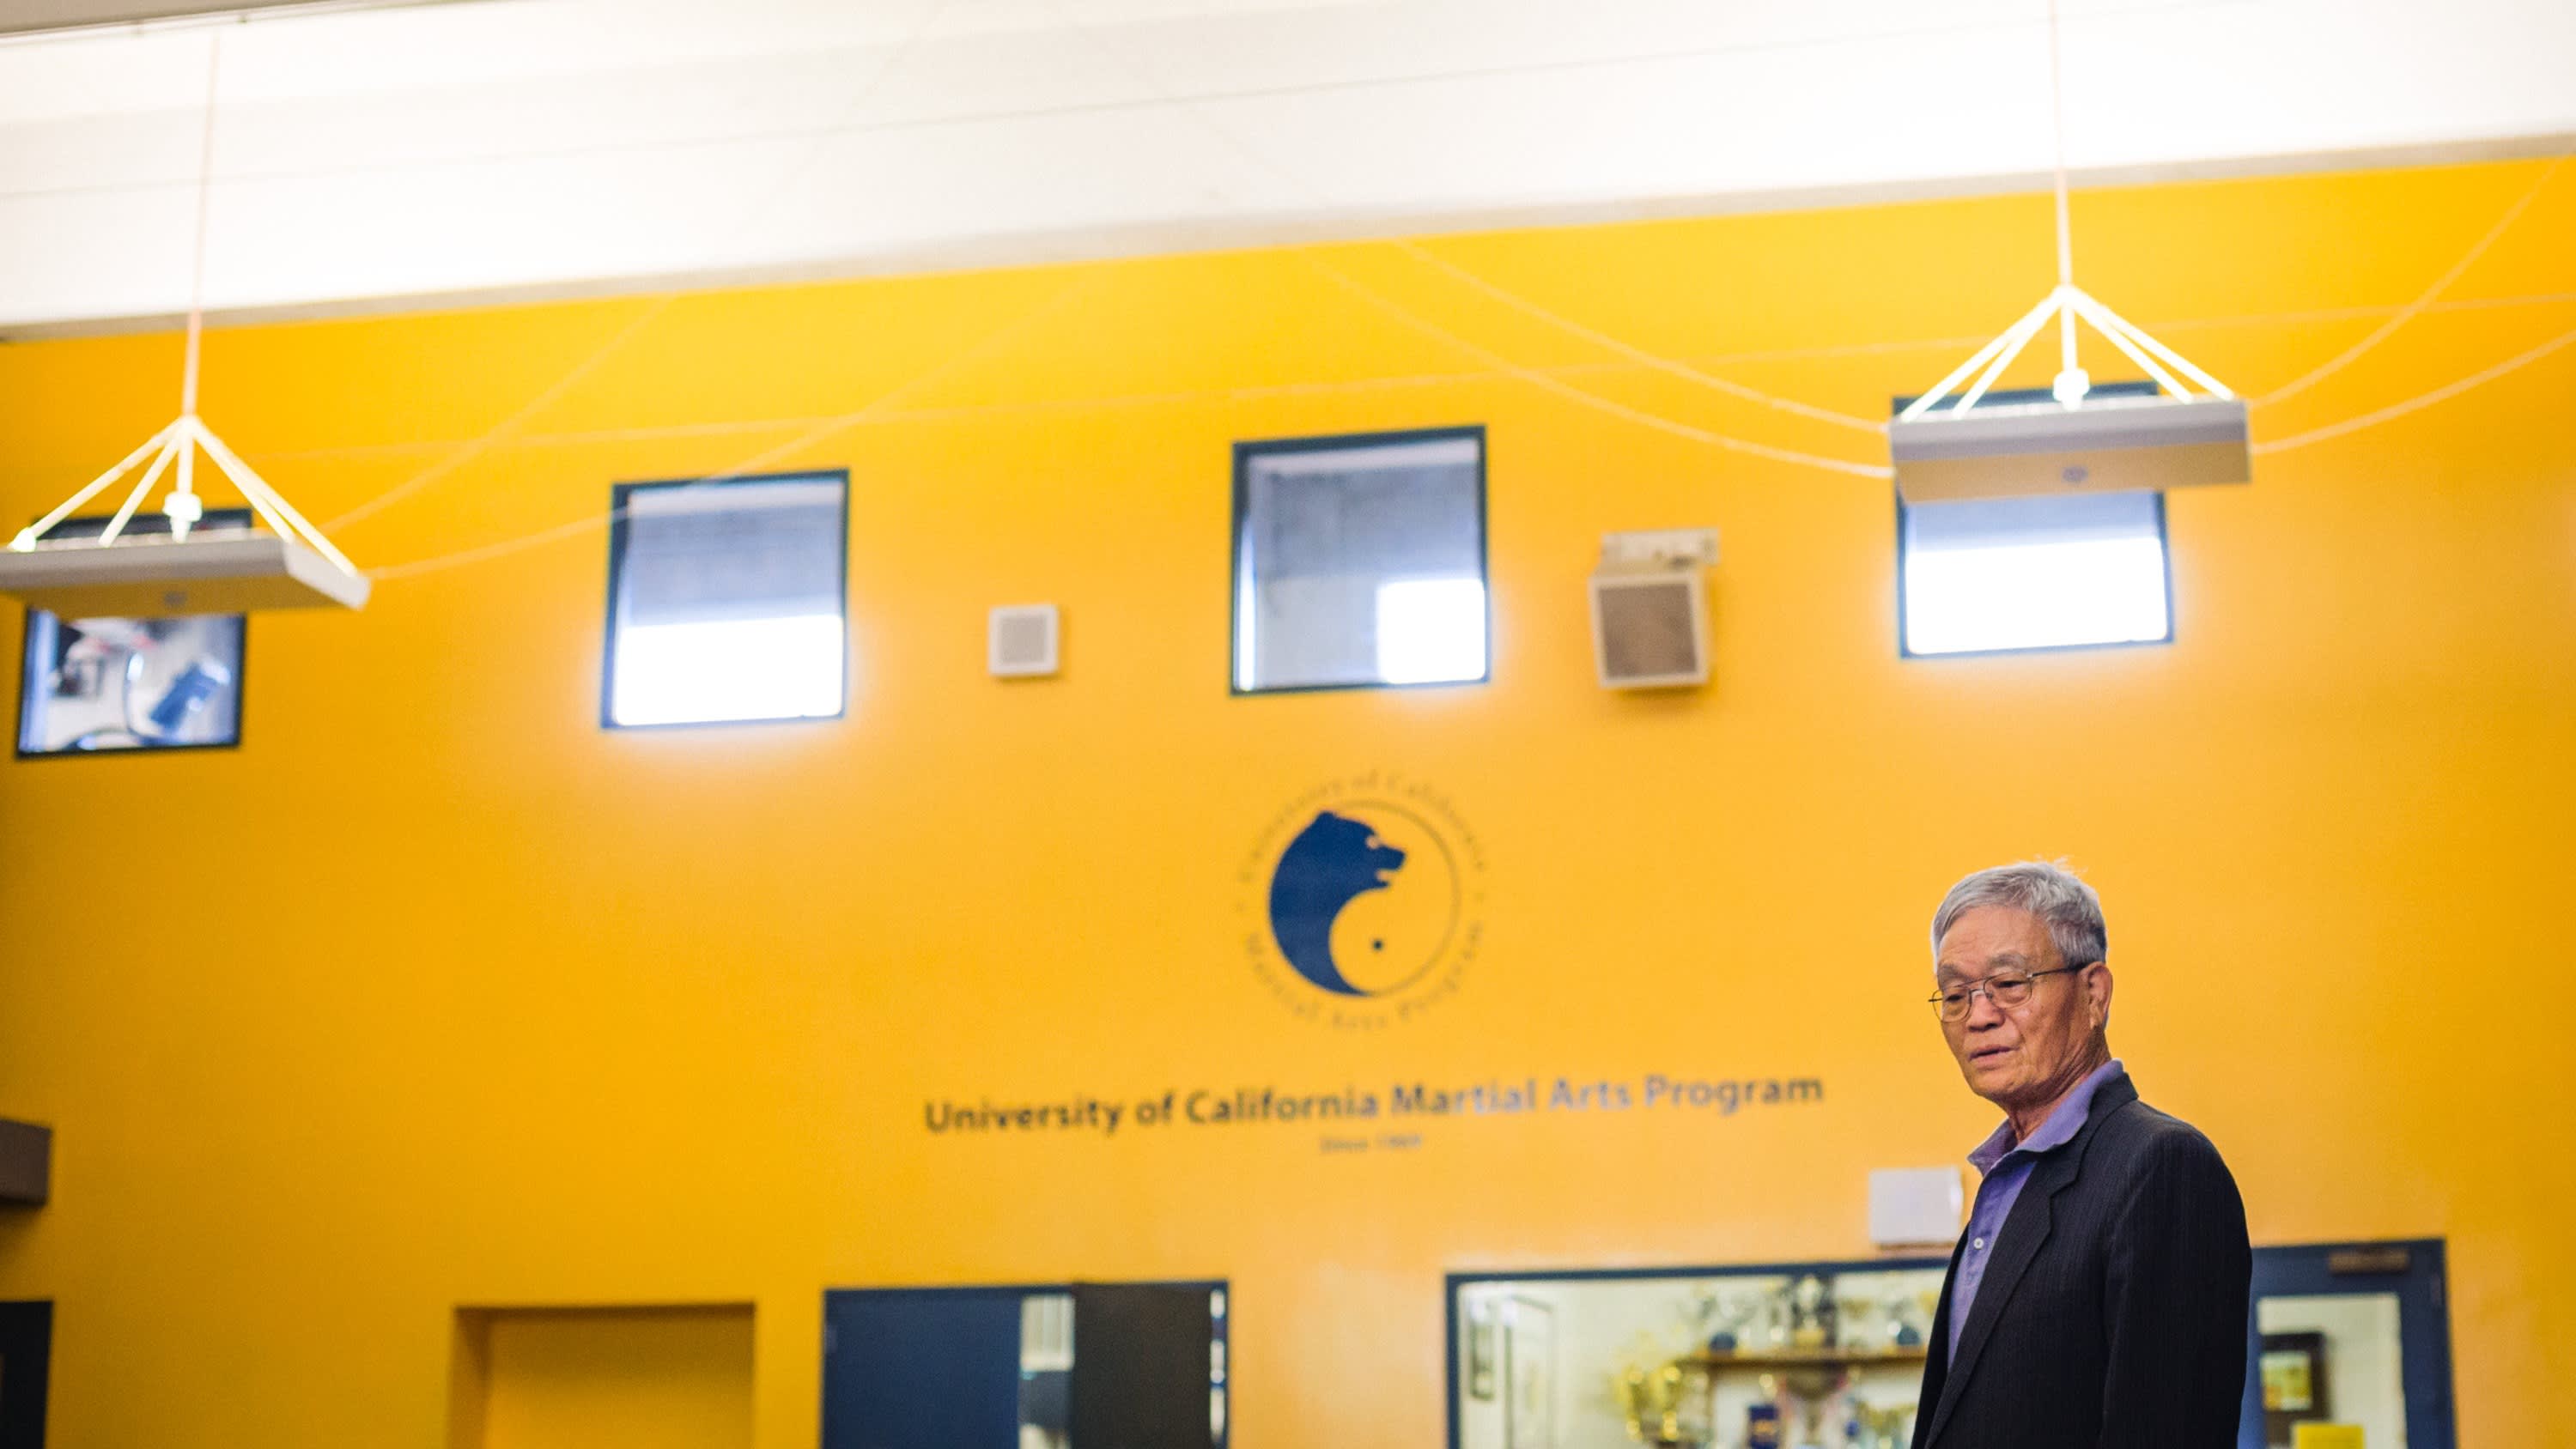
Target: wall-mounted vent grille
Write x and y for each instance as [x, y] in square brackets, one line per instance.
[1650, 608]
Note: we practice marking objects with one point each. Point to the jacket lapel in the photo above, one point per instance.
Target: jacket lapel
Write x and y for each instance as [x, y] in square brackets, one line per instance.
[2025, 1232]
[1936, 1348]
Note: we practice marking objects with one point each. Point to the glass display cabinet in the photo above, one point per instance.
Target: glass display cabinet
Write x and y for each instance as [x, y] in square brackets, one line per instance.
[1765, 1356]
[2346, 1344]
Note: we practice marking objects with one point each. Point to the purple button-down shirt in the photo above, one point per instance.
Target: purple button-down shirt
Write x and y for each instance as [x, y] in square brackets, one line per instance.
[2007, 1165]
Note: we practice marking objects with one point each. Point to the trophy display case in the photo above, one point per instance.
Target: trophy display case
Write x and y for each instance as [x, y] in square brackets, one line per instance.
[1762, 1356]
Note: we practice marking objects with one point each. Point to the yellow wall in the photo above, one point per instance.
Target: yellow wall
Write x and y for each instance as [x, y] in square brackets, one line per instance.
[435, 994]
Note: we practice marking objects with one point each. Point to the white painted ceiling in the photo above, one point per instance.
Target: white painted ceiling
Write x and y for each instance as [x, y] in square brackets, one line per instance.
[530, 147]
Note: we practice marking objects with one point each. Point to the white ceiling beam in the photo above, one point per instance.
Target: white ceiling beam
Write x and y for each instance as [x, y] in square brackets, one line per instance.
[535, 147]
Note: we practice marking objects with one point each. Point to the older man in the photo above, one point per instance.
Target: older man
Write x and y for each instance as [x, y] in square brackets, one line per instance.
[2097, 1298]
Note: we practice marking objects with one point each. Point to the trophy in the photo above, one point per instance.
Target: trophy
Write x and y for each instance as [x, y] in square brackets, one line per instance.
[1734, 1321]
[1860, 1321]
[1666, 1407]
[1913, 1318]
[1811, 1313]
[1766, 1323]
[1880, 1428]
[1815, 1373]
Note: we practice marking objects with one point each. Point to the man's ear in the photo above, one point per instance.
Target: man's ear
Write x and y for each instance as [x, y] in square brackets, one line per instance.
[2097, 994]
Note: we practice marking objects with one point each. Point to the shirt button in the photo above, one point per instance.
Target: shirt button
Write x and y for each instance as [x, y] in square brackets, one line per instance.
[1979, 1243]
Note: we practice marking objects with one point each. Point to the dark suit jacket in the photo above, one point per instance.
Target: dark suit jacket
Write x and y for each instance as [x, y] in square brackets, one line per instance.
[2112, 1314]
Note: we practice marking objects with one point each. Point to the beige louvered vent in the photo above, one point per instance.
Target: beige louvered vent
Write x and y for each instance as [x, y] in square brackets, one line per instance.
[1650, 609]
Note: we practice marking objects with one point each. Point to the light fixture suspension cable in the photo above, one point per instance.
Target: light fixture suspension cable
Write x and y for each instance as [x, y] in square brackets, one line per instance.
[175, 447]
[2066, 303]
[205, 191]
[2065, 229]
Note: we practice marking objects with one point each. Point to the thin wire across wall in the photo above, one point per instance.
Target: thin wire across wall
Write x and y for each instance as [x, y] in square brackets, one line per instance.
[508, 427]
[2417, 403]
[883, 408]
[1633, 353]
[661, 303]
[1587, 398]
[1487, 357]
[2413, 309]
[1334, 387]
[821, 429]
[1494, 362]
[1378, 301]
[1195, 108]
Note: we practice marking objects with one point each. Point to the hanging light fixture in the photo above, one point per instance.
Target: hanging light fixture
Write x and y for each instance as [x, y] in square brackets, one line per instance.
[2192, 431]
[128, 572]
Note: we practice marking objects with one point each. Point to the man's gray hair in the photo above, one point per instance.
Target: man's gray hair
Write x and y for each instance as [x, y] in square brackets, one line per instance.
[2047, 889]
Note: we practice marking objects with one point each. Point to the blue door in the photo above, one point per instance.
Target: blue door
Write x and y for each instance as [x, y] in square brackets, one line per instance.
[926, 1368]
[1141, 1366]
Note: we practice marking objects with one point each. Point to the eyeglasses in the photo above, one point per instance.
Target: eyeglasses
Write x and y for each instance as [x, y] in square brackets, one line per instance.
[2006, 990]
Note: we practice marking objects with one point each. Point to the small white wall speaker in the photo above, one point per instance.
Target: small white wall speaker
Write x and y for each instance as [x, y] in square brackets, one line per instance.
[1650, 608]
[1021, 641]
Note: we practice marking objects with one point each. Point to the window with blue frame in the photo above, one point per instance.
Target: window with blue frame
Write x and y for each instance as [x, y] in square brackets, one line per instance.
[726, 601]
[1360, 561]
[2048, 571]
[2005, 573]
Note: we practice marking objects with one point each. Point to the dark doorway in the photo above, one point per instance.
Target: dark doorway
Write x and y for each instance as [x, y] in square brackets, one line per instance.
[26, 1344]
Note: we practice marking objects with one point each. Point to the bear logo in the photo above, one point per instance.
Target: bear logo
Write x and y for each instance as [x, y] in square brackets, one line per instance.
[1333, 861]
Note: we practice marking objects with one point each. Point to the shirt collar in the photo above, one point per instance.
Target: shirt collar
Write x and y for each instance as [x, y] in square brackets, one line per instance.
[2056, 1132]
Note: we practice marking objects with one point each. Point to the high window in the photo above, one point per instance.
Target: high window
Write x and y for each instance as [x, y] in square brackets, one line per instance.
[1980, 575]
[725, 601]
[1360, 561]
